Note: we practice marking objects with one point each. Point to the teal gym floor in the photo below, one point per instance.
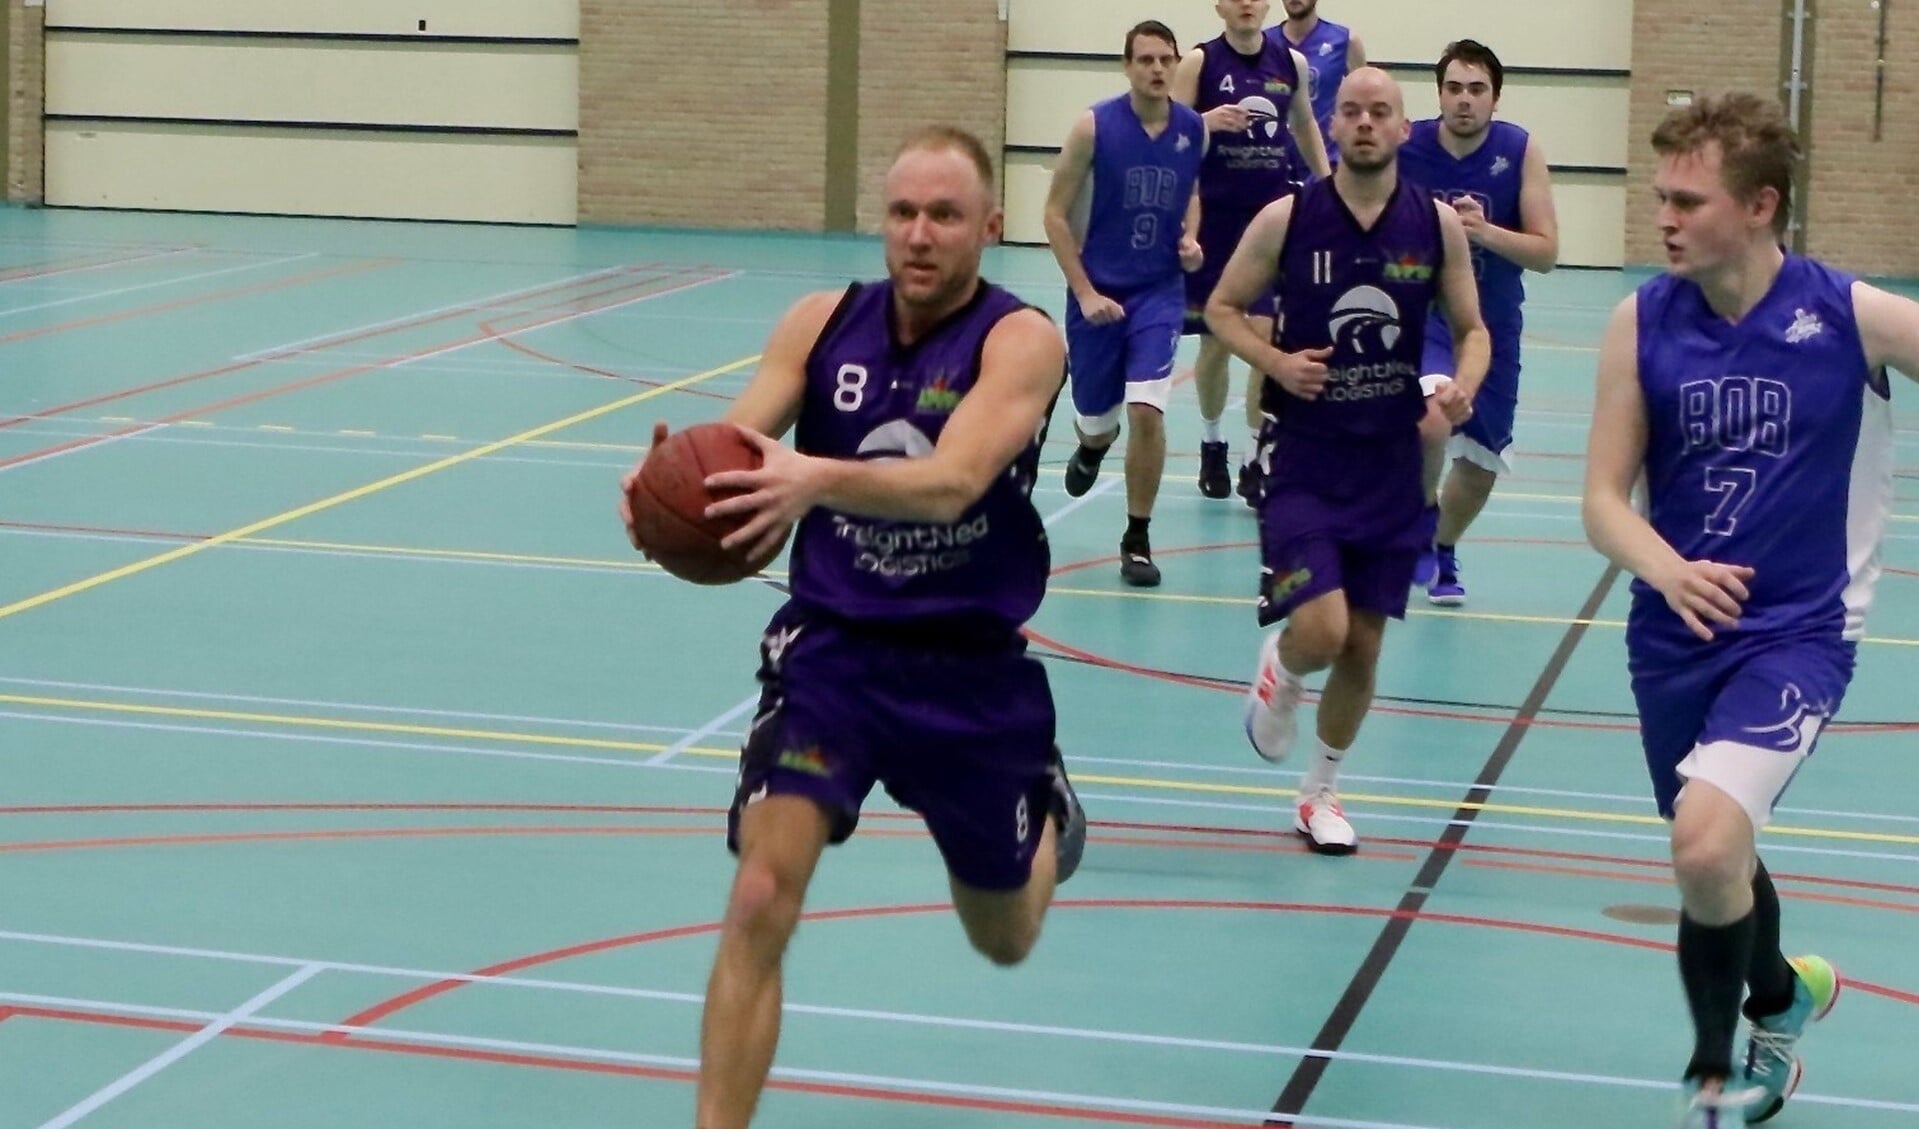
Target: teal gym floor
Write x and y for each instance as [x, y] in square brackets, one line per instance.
[354, 772]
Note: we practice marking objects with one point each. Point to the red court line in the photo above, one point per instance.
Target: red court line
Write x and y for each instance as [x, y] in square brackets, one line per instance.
[295, 386]
[412, 323]
[196, 299]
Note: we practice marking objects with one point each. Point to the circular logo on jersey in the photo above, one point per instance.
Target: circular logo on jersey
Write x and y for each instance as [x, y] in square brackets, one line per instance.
[1262, 115]
[1365, 320]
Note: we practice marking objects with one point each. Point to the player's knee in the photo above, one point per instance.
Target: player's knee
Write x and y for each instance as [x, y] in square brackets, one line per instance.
[1711, 845]
[765, 904]
[1143, 418]
[1316, 643]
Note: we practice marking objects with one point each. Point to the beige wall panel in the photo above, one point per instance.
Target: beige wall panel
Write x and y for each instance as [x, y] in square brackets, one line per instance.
[1563, 33]
[545, 19]
[375, 83]
[1591, 211]
[308, 172]
[1580, 121]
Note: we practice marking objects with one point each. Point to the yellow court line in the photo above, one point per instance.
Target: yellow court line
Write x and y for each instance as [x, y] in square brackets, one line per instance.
[1148, 783]
[1573, 814]
[280, 519]
[295, 721]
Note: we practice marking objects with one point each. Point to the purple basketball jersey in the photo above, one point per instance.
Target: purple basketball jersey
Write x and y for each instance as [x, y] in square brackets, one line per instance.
[869, 397]
[1246, 171]
[1366, 293]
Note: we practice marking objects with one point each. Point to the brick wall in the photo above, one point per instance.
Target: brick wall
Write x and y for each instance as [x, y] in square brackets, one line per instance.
[1859, 207]
[917, 70]
[694, 116]
[1681, 45]
[26, 96]
[688, 119]
[1856, 209]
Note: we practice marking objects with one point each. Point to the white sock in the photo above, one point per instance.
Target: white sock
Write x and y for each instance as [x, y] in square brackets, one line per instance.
[1324, 770]
[1209, 430]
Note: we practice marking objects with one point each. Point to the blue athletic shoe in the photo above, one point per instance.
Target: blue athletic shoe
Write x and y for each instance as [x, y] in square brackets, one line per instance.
[1427, 569]
[1446, 591]
[1772, 1069]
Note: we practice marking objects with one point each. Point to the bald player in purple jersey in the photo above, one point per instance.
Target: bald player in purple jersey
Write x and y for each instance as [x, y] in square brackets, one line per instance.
[920, 404]
[1359, 260]
[1252, 91]
[1748, 387]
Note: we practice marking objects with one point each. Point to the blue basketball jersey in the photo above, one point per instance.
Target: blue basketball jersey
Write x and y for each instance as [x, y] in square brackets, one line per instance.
[1136, 201]
[1769, 444]
[1365, 293]
[1491, 175]
[1246, 171]
[1325, 49]
[868, 397]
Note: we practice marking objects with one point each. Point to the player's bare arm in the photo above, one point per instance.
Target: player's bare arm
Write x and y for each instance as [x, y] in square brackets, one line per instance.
[1888, 328]
[1301, 123]
[1704, 594]
[1535, 245]
[1021, 369]
[1191, 256]
[1355, 53]
[1069, 177]
[1248, 274]
[1459, 299]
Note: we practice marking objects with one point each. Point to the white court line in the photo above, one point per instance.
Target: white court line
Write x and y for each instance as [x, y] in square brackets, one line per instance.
[1105, 486]
[387, 1034]
[473, 303]
[702, 733]
[52, 455]
[103, 266]
[95, 294]
[179, 1051]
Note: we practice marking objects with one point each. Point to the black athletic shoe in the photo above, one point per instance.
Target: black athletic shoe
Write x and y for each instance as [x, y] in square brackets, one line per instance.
[1214, 479]
[1083, 469]
[1136, 565]
[1249, 484]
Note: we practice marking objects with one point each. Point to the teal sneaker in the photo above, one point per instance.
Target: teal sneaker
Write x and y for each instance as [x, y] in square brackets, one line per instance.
[1772, 1069]
[1715, 1108]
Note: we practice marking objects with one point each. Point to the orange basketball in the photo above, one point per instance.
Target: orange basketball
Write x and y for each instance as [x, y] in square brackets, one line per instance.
[669, 500]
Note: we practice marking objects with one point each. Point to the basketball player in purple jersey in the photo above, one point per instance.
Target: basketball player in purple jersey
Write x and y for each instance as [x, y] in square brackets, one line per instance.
[1359, 259]
[1122, 218]
[1748, 386]
[1496, 175]
[919, 404]
[1331, 52]
[1251, 90]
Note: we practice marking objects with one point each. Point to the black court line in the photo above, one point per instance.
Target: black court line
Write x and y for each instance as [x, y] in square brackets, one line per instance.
[1299, 1088]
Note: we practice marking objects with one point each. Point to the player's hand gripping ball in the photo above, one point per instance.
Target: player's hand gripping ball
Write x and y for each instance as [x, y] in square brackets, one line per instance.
[668, 499]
